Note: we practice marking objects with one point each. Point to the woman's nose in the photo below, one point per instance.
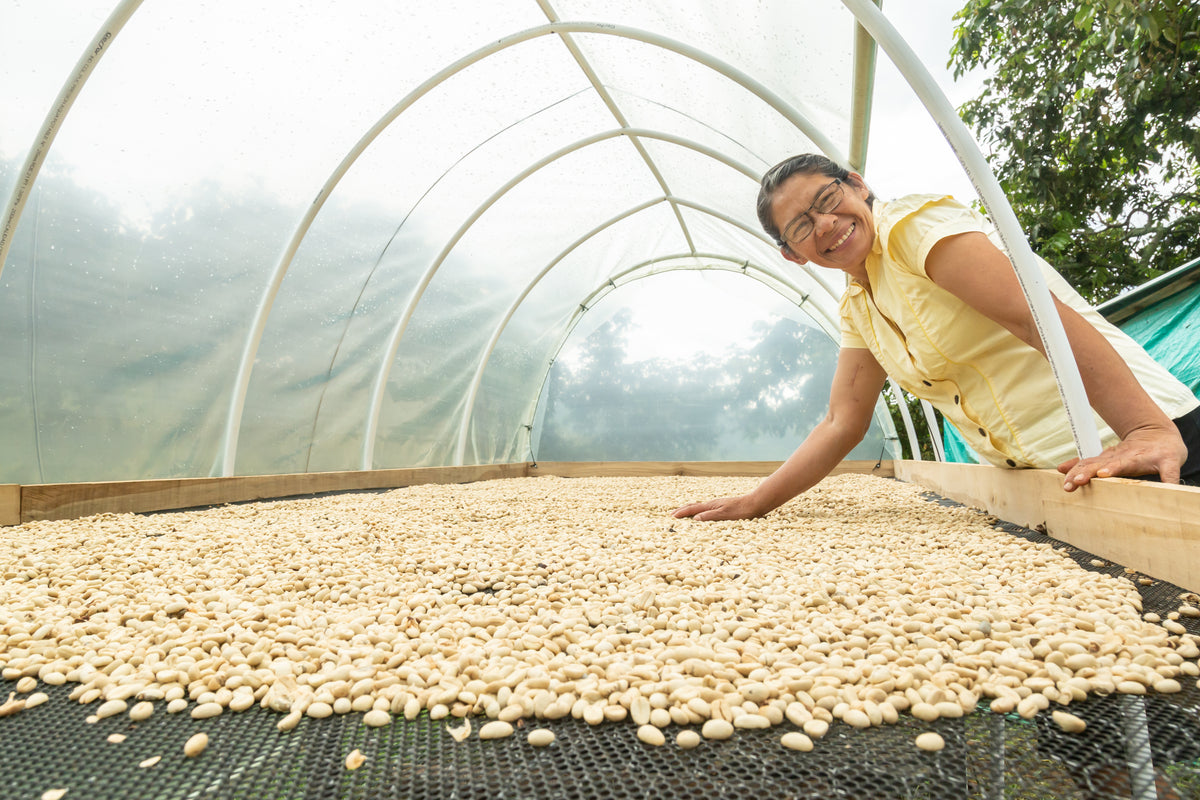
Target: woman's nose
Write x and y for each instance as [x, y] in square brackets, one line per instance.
[823, 222]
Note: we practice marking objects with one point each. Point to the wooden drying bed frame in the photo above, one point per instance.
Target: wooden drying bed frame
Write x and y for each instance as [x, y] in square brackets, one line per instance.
[1151, 528]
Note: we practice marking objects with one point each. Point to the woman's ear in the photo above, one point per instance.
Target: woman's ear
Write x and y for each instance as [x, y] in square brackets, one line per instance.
[859, 184]
[787, 253]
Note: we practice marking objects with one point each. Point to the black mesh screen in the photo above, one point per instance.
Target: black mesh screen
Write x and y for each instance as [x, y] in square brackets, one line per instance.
[1133, 747]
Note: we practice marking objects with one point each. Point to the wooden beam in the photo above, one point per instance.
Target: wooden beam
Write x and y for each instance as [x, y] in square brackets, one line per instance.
[70, 500]
[1151, 527]
[589, 469]
[10, 504]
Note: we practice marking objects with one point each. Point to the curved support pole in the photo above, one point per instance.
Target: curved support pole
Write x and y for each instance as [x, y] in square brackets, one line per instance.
[861, 97]
[54, 119]
[414, 300]
[1033, 285]
[473, 392]
[829, 328]
[913, 446]
[764, 276]
[410, 307]
[833, 291]
[254, 337]
[736, 265]
[935, 437]
[460, 449]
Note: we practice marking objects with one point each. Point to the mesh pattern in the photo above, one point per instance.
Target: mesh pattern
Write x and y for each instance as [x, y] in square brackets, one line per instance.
[986, 755]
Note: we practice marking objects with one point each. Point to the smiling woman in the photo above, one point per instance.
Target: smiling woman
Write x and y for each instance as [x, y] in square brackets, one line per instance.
[934, 304]
[836, 229]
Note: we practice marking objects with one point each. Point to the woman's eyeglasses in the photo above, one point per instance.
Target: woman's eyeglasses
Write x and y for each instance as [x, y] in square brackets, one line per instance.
[827, 202]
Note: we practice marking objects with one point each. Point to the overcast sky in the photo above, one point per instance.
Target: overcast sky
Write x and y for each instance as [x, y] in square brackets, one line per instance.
[907, 153]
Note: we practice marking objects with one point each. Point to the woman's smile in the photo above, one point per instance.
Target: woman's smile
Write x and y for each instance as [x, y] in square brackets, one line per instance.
[843, 238]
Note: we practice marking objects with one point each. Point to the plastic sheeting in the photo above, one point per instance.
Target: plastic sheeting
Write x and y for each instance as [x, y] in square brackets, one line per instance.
[353, 236]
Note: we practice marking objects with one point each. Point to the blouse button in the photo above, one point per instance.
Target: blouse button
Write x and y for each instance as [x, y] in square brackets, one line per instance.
[1010, 462]
[982, 432]
[955, 399]
[927, 383]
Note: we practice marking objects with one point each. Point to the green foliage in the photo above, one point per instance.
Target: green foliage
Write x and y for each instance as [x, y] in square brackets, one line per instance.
[1092, 114]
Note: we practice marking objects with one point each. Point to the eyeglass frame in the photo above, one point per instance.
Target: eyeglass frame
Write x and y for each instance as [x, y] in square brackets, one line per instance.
[807, 213]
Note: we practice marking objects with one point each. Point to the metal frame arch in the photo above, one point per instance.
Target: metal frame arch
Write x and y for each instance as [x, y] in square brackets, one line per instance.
[743, 265]
[885, 419]
[736, 265]
[53, 121]
[472, 393]
[266, 301]
[380, 385]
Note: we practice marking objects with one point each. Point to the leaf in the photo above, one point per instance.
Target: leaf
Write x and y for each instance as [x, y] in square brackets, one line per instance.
[1147, 23]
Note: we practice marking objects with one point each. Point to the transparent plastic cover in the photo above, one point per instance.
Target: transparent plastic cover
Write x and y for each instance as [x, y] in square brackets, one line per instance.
[352, 236]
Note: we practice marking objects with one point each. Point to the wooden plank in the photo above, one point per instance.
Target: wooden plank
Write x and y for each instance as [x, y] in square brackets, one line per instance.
[590, 469]
[1150, 527]
[70, 500]
[649, 469]
[10, 504]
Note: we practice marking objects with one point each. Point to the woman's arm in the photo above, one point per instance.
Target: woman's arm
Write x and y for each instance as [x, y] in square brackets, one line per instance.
[857, 383]
[973, 269]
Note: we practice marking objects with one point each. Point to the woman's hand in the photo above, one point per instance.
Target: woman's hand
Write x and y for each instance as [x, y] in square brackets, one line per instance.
[1143, 451]
[743, 507]
[857, 382]
[970, 267]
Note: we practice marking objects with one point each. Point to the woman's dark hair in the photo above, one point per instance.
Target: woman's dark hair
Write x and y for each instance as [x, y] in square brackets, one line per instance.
[806, 164]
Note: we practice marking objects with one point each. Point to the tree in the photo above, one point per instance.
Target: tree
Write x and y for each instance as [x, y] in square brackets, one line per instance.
[1092, 115]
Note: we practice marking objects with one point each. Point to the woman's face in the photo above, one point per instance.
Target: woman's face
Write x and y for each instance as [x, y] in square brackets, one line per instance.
[840, 238]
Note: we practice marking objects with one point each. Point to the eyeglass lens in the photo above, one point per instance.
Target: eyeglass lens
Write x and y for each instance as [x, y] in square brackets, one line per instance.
[829, 199]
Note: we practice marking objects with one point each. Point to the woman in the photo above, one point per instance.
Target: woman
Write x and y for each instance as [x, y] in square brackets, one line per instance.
[933, 302]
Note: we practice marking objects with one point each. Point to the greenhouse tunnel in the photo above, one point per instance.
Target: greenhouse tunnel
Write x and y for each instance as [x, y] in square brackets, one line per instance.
[313, 253]
[402, 236]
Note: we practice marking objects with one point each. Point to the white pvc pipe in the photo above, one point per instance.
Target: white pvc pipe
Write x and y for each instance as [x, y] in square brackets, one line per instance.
[589, 301]
[935, 433]
[54, 119]
[237, 401]
[880, 414]
[914, 447]
[380, 385]
[464, 424]
[1037, 294]
[477, 381]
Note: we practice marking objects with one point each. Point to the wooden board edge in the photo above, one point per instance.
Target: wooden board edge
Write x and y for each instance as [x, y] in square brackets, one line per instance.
[1148, 527]
[72, 500]
[10, 504]
[52, 501]
[633, 469]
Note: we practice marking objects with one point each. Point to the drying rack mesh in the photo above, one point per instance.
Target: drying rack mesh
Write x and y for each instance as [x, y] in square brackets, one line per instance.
[986, 755]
